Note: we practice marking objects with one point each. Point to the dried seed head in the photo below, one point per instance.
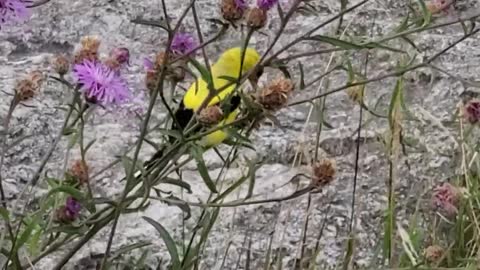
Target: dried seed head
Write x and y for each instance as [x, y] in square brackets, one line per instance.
[210, 115]
[471, 111]
[61, 64]
[89, 50]
[232, 10]
[112, 63]
[323, 173]
[160, 60]
[151, 79]
[83, 55]
[90, 43]
[79, 170]
[27, 88]
[355, 93]
[276, 94]
[256, 18]
[434, 253]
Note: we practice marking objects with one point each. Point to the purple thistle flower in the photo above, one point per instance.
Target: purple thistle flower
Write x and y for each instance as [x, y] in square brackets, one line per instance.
[241, 4]
[72, 208]
[266, 4]
[100, 83]
[13, 11]
[183, 43]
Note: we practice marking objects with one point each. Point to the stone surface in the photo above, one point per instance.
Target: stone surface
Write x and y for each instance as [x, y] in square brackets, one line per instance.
[57, 27]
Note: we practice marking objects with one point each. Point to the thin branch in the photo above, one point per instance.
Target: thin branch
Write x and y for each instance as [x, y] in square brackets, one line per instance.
[388, 75]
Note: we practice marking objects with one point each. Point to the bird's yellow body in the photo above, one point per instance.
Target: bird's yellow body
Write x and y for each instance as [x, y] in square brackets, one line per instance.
[228, 65]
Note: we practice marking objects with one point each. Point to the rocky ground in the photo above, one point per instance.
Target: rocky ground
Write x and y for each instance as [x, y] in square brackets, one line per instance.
[431, 96]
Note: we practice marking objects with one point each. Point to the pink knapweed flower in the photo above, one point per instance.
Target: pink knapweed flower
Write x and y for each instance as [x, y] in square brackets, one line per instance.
[266, 4]
[12, 11]
[183, 43]
[446, 198]
[100, 83]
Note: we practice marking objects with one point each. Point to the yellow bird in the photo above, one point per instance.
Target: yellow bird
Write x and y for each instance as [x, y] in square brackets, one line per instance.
[223, 71]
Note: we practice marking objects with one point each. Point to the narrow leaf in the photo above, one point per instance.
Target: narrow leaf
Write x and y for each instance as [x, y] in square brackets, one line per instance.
[168, 240]
[197, 154]
[337, 42]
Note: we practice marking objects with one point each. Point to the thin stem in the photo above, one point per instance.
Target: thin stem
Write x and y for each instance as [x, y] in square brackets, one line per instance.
[143, 132]
[388, 75]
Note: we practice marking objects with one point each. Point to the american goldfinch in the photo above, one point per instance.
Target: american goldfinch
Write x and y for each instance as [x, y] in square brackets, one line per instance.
[223, 72]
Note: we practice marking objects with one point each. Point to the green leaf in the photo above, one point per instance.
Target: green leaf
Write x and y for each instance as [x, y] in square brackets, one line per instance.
[25, 235]
[90, 144]
[395, 101]
[197, 154]
[204, 73]
[73, 140]
[177, 182]
[229, 78]
[129, 248]
[168, 240]
[69, 131]
[34, 241]
[180, 204]
[337, 42]
[427, 15]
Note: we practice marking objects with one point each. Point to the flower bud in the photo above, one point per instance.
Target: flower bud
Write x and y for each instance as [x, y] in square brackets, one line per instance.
[61, 64]
[472, 111]
[210, 115]
[121, 55]
[323, 173]
[27, 88]
[446, 198]
[233, 10]
[276, 94]
[434, 253]
[355, 93]
[256, 18]
[79, 170]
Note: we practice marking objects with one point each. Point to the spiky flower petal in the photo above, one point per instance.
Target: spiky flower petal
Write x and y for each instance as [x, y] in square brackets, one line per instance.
[12, 11]
[266, 4]
[183, 43]
[100, 83]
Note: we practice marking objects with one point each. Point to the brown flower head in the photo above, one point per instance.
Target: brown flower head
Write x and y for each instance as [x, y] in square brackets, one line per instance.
[355, 93]
[90, 43]
[437, 6]
[446, 198]
[276, 94]
[79, 171]
[210, 115]
[88, 51]
[323, 172]
[233, 10]
[61, 64]
[472, 110]
[27, 88]
[434, 253]
[256, 18]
